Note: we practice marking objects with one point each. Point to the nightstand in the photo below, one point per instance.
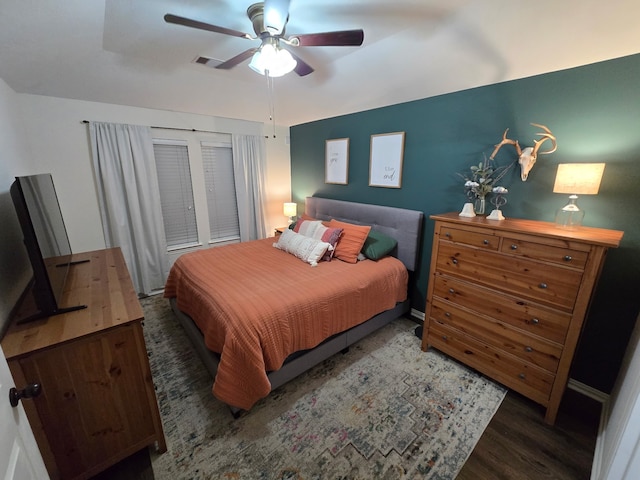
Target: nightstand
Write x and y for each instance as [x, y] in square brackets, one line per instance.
[279, 230]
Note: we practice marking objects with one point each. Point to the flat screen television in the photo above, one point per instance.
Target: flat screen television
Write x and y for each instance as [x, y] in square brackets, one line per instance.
[46, 241]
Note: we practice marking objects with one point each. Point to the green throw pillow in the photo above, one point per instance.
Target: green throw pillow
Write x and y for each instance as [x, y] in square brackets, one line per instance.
[378, 245]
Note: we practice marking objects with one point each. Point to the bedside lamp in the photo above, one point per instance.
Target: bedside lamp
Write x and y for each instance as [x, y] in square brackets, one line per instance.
[576, 178]
[290, 210]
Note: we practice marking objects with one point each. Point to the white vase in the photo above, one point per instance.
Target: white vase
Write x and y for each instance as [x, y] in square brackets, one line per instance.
[480, 205]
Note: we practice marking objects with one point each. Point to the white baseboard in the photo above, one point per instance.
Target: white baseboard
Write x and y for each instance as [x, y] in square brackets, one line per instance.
[417, 314]
[598, 454]
[588, 391]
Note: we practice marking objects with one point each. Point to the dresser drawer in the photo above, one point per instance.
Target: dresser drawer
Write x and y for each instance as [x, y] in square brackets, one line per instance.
[543, 283]
[476, 239]
[527, 316]
[497, 334]
[514, 373]
[569, 257]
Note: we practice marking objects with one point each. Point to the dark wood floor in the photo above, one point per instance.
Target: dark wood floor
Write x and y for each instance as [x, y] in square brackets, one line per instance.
[517, 444]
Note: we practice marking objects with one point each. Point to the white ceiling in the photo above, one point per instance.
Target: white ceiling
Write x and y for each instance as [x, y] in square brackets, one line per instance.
[122, 51]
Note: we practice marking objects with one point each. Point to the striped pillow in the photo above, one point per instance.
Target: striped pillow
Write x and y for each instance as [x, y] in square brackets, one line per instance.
[317, 230]
[306, 249]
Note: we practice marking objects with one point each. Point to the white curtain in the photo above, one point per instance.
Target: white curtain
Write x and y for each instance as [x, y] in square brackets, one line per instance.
[129, 198]
[248, 166]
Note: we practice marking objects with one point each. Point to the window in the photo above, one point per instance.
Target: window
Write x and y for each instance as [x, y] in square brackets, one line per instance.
[217, 161]
[197, 189]
[176, 193]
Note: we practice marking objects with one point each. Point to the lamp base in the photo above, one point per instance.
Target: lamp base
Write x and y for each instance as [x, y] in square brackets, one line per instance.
[570, 216]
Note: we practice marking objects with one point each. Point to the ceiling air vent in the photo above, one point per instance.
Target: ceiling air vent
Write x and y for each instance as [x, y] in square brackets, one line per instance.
[209, 62]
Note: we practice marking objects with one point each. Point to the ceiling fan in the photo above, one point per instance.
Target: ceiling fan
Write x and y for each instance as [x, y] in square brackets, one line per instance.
[273, 57]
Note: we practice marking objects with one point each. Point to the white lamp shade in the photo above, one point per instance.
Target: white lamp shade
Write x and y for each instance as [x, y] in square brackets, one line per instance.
[578, 178]
[290, 209]
[272, 60]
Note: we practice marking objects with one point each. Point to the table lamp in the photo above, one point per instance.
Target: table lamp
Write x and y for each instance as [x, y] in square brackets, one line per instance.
[576, 178]
[290, 210]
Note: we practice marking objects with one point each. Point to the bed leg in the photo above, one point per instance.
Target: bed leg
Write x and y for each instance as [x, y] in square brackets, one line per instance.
[344, 350]
[236, 412]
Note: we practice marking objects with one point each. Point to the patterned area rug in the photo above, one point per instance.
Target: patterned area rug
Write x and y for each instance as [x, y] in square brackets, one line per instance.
[384, 410]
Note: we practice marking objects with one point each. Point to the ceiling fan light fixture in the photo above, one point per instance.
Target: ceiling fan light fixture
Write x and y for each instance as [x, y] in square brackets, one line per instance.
[272, 60]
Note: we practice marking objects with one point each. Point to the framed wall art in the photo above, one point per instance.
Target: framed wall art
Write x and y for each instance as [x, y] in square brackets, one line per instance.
[387, 151]
[337, 161]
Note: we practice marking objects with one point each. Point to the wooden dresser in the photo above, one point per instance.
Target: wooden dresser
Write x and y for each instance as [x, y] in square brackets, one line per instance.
[509, 298]
[97, 404]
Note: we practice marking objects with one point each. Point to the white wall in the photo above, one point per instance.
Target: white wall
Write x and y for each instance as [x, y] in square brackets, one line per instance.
[59, 144]
[14, 160]
[278, 176]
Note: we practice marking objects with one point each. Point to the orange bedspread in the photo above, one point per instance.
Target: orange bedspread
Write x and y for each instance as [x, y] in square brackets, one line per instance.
[256, 305]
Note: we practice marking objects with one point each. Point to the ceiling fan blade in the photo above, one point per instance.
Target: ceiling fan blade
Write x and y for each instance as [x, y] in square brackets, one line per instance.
[232, 62]
[344, 38]
[187, 22]
[276, 15]
[302, 68]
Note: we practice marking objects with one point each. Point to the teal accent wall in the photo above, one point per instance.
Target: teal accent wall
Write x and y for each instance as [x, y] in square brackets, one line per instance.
[593, 110]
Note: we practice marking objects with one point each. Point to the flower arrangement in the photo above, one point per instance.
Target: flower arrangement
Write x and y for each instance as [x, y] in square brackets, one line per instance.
[481, 183]
[482, 179]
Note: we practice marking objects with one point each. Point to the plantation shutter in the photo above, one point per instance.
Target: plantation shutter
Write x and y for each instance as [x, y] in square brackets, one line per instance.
[176, 192]
[222, 202]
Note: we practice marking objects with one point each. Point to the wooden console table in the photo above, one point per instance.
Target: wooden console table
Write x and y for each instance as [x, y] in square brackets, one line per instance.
[97, 404]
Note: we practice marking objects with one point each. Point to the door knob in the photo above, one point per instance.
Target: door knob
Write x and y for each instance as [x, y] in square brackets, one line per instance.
[30, 391]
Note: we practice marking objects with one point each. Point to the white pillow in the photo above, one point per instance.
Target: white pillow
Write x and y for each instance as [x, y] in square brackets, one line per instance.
[305, 248]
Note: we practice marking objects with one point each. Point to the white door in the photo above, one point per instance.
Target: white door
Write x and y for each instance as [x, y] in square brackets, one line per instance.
[20, 457]
[618, 448]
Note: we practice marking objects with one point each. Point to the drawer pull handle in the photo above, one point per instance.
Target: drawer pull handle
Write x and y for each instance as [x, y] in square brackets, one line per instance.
[454, 261]
[447, 314]
[543, 285]
[485, 241]
[567, 258]
[444, 337]
[448, 235]
[451, 290]
[528, 349]
[535, 321]
[514, 246]
[522, 376]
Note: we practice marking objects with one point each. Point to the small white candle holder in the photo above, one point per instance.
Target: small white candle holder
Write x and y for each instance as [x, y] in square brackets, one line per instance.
[495, 215]
[467, 210]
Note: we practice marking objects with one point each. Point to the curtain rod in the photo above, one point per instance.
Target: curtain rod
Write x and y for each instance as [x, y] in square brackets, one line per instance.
[183, 129]
[172, 128]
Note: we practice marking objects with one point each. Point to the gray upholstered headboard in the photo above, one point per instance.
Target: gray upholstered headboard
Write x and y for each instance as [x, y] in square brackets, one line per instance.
[403, 225]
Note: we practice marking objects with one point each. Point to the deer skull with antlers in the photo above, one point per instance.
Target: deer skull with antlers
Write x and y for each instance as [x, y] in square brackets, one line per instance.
[527, 157]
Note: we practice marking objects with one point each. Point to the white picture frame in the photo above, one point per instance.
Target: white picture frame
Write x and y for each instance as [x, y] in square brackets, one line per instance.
[387, 152]
[337, 161]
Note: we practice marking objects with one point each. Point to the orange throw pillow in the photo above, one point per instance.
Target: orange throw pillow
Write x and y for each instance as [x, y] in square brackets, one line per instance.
[351, 241]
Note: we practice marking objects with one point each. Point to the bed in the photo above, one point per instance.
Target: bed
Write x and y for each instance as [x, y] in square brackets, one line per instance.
[289, 315]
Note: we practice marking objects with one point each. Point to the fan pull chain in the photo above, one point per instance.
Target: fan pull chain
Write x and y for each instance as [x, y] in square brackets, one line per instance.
[272, 115]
